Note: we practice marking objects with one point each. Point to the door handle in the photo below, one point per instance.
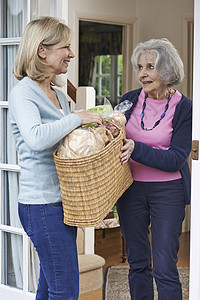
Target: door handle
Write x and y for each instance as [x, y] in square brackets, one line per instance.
[195, 150]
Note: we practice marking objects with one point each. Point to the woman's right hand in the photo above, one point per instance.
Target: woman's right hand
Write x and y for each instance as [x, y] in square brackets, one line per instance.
[88, 117]
[127, 150]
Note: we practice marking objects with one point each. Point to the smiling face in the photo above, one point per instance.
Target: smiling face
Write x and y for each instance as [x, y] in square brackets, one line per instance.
[149, 78]
[56, 58]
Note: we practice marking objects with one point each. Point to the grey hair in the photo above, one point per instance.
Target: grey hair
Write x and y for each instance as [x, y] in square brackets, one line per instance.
[168, 64]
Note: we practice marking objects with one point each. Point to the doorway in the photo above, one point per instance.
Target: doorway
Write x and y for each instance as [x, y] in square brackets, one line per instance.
[101, 59]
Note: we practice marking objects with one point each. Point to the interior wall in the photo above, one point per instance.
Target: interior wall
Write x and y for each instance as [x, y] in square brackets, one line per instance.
[43, 8]
[163, 19]
[124, 8]
[99, 10]
[155, 19]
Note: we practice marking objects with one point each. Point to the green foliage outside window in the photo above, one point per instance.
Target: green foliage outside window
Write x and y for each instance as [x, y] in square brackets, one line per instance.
[108, 78]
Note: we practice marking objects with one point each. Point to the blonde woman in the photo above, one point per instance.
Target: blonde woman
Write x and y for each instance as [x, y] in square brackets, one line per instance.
[40, 117]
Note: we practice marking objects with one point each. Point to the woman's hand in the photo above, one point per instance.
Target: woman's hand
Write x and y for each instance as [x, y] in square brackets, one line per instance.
[88, 117]
[126, 149]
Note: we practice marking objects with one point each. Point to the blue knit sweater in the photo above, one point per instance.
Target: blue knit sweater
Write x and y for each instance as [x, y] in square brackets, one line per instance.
[175, 158]
[38, 126]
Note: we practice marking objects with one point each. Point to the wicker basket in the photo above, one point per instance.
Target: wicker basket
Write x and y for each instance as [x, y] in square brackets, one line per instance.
[91, 185]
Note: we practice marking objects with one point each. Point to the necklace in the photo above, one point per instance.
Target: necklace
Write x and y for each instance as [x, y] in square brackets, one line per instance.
[161, 117]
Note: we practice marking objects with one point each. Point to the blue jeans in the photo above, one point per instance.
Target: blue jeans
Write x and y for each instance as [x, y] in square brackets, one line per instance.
[162, 205]
[55, 244]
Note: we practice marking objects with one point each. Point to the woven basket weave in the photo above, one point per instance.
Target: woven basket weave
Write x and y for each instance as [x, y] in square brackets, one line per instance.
[91, 185]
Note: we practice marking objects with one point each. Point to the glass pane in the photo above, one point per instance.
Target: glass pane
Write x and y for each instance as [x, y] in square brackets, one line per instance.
[13, 13]
[106, 64]
[34, 269]
[120, 64]
[8, 148]
[11, 18]
[8, 80]
[118, 99]
[97, 85]
[9, 194]
[106, 86]
[119, 86]
[12, 260]
[99, 100]
[97, 64]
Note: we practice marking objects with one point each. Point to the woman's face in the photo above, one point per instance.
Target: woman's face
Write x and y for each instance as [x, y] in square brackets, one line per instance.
[57, 58]
[149, 78]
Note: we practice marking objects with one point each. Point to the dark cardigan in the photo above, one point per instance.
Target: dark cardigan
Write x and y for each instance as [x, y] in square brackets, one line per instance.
[175, 158]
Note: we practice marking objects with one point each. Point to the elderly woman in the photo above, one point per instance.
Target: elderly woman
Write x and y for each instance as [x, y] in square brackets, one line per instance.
[40, 117]
[158, 143]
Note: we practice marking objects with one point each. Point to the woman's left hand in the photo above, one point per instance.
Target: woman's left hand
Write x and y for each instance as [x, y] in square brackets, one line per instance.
[126, 149]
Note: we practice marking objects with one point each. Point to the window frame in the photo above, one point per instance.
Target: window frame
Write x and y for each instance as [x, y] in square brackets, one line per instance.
[5, 289]
[114, 76]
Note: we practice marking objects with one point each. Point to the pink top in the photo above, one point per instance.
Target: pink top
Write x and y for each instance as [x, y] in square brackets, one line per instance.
[159, 137]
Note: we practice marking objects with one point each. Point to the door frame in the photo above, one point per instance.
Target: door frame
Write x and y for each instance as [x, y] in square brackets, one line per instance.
[130, 38]
[195, 203]
[129, 81]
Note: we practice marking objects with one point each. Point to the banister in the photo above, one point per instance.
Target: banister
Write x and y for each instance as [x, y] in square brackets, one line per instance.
[71, 90]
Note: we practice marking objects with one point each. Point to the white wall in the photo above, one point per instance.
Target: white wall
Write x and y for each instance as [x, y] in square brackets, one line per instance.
[156, 19]
[164, 19]
[110, 7]
[161, 18]
[109, 10]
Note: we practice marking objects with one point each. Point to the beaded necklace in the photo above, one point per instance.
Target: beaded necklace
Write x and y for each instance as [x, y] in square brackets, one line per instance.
[161, 117]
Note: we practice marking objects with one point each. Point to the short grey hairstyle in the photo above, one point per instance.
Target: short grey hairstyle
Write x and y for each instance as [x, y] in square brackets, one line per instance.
[168, 64]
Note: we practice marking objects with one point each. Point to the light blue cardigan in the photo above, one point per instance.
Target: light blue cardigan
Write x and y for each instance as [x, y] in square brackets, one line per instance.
[38, 126]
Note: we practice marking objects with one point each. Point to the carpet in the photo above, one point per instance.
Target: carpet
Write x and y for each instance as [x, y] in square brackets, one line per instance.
[116, 283]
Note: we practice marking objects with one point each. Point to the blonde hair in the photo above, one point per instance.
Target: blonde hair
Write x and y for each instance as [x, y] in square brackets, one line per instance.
[47, 31]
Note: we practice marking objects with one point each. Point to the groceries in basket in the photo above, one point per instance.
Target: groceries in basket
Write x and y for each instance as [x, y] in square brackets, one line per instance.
[116, 116]
[91, 185]
[91, 138]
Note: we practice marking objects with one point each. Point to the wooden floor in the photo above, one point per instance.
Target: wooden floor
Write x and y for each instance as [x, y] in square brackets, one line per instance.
[108, 244]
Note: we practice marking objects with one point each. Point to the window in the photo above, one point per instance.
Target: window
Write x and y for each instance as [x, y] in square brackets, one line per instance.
[18, 258]
[100, 59]
[108, 78]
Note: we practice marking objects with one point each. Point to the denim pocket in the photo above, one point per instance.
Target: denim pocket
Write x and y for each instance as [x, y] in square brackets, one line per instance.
[25, 217]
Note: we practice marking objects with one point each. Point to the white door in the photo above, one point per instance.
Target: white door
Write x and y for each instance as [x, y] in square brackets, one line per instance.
[195, 201]
[19, 262]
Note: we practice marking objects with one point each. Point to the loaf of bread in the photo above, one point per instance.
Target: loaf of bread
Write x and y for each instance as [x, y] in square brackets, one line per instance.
[86, 141]
[104, 133]
[80, 142]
